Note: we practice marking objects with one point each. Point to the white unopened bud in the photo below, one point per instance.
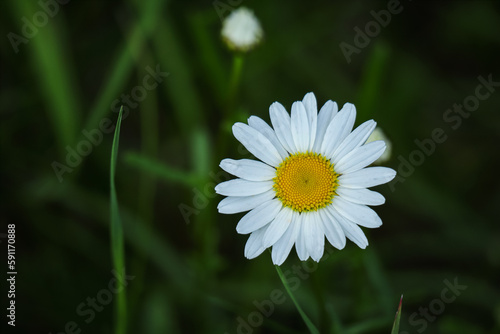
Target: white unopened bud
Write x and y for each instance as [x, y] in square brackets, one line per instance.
[241, 30]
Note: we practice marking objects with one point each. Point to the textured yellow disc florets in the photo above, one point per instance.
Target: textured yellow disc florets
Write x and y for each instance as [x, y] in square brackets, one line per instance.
[305, 182]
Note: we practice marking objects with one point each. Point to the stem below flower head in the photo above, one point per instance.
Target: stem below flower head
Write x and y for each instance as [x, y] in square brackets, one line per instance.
[234, 82]
[304, 316]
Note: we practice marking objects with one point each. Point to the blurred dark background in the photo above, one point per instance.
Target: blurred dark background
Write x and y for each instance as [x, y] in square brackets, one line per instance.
[61, 79]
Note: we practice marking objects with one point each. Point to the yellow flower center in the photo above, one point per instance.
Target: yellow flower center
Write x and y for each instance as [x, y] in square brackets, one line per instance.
[305, 182]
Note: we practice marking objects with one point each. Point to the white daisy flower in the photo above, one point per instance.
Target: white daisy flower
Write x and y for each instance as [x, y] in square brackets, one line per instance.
[312, 181]
[378, 134]
[241, 30]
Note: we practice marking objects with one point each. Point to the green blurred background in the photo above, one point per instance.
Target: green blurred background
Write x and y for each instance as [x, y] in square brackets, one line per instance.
[190, 273]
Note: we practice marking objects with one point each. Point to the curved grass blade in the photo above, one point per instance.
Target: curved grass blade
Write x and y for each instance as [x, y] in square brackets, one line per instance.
[54, 70]
[149, 14]
[395, 326]
[117, 244]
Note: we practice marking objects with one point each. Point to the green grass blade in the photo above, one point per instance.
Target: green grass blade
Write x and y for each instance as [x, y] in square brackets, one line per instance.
[55, 76]
[304, 316]
[117, 244]
[183, 95]
[141, 237]
[149, 15]
[159, 169]
[395, 327]
[336, 322]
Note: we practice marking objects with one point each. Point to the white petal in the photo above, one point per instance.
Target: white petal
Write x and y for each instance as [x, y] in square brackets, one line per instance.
[367, 177]
[260, 125]
[247, 169]
[339, 128]
[333, 230]
[352, 231]
[259, 217]
[311, 106]
[355, 139]
[360, 157]
[281, 124]
[315, 236]
[236, 204]
[257, 144]
[278, 227]
[240, 187]
[361, 196]
[253, 247]
[325, 116]
[309, 102]
[300, 127]
[357, 213]
[355, 234]
[284, 245]
[300, 244]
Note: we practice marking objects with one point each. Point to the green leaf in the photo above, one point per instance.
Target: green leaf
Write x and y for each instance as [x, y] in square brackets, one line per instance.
[114, 83]
[395, 327]
[117, 245]
[54, 72]
[160, 170]
[184, 95]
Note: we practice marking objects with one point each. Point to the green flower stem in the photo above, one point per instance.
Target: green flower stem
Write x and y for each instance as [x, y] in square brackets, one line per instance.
[228, 109]
[234, 82]
[304, 316]
[236, 70]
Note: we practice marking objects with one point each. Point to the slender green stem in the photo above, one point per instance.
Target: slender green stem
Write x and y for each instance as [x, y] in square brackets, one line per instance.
[304, 316]
[230, 103]
[236, 72]
[117, 244]
[234, 82]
